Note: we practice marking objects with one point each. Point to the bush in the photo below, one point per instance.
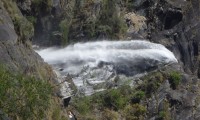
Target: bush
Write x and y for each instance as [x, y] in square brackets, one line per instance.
[114, 99]
[151, 83]
[138, 96]
[134, 112]
[109, 22]
[125, 90]
[23, 97]
[162, 115]
[110, 115]
[174, 79]
[23, 27]
[106, 24]
[64, 27]
[32, 19]
[83, 105]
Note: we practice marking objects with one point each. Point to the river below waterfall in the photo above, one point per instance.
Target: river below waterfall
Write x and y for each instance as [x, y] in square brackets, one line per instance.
[95, 66]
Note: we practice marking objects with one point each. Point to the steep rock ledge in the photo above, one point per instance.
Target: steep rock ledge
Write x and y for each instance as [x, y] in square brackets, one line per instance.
[15, 48]
[17, 56]
[175, 24]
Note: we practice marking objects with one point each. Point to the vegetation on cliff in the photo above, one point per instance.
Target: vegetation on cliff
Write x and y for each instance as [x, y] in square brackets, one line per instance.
[125, 102]
[23, 27]
[106, 22]
[26, 81]
[23, 97]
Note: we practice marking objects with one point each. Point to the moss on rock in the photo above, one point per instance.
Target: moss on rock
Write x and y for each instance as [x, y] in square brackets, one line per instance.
[23, 27]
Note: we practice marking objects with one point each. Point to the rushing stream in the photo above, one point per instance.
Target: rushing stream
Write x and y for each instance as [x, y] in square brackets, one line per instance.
[96, 65]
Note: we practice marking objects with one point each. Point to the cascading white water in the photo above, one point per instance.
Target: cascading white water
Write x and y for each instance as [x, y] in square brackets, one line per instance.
[98, 62]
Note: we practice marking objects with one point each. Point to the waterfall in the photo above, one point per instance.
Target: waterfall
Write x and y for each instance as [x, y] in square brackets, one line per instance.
[96, 64]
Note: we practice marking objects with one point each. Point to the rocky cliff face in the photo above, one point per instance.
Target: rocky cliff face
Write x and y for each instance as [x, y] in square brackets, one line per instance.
[15, 48]
[51, 19]
[173, 23]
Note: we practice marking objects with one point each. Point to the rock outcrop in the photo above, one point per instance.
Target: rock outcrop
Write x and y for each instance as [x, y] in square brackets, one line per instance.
[16, 52]
[181, 103]
[173, 23]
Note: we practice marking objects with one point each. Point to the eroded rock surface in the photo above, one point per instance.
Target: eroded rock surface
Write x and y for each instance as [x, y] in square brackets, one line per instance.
[15, 49]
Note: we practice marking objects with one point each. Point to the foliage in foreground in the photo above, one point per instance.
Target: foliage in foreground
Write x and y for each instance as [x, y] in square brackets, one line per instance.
[23, 97]
[125, 101]
[110, 103]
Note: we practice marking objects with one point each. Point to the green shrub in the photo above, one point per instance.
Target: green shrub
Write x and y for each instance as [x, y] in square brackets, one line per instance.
[165, 113]
[109, 22]
[56, 114]
[97, 99]
[64, 27]
[126, 90]
[114, 99]
[90, 28]
[159, 77]
[110, 99]
[138, 96]
[31, 19]
[162, 115]
[134, 112]
[174, 79]
[83, 104]
[23, 97]
[23, 28]
[110, 115]
[151, 83]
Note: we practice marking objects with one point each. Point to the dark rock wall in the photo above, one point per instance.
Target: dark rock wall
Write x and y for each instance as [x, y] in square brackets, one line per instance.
[176, 25]
[181, 103]
[48, 15]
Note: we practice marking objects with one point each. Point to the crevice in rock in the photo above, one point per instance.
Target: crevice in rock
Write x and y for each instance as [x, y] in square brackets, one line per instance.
[195, 48]
[174, 102]
[172, 18]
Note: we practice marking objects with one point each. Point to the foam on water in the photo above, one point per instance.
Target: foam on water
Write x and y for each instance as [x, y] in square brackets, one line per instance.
[78, 55]
[74, 58]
